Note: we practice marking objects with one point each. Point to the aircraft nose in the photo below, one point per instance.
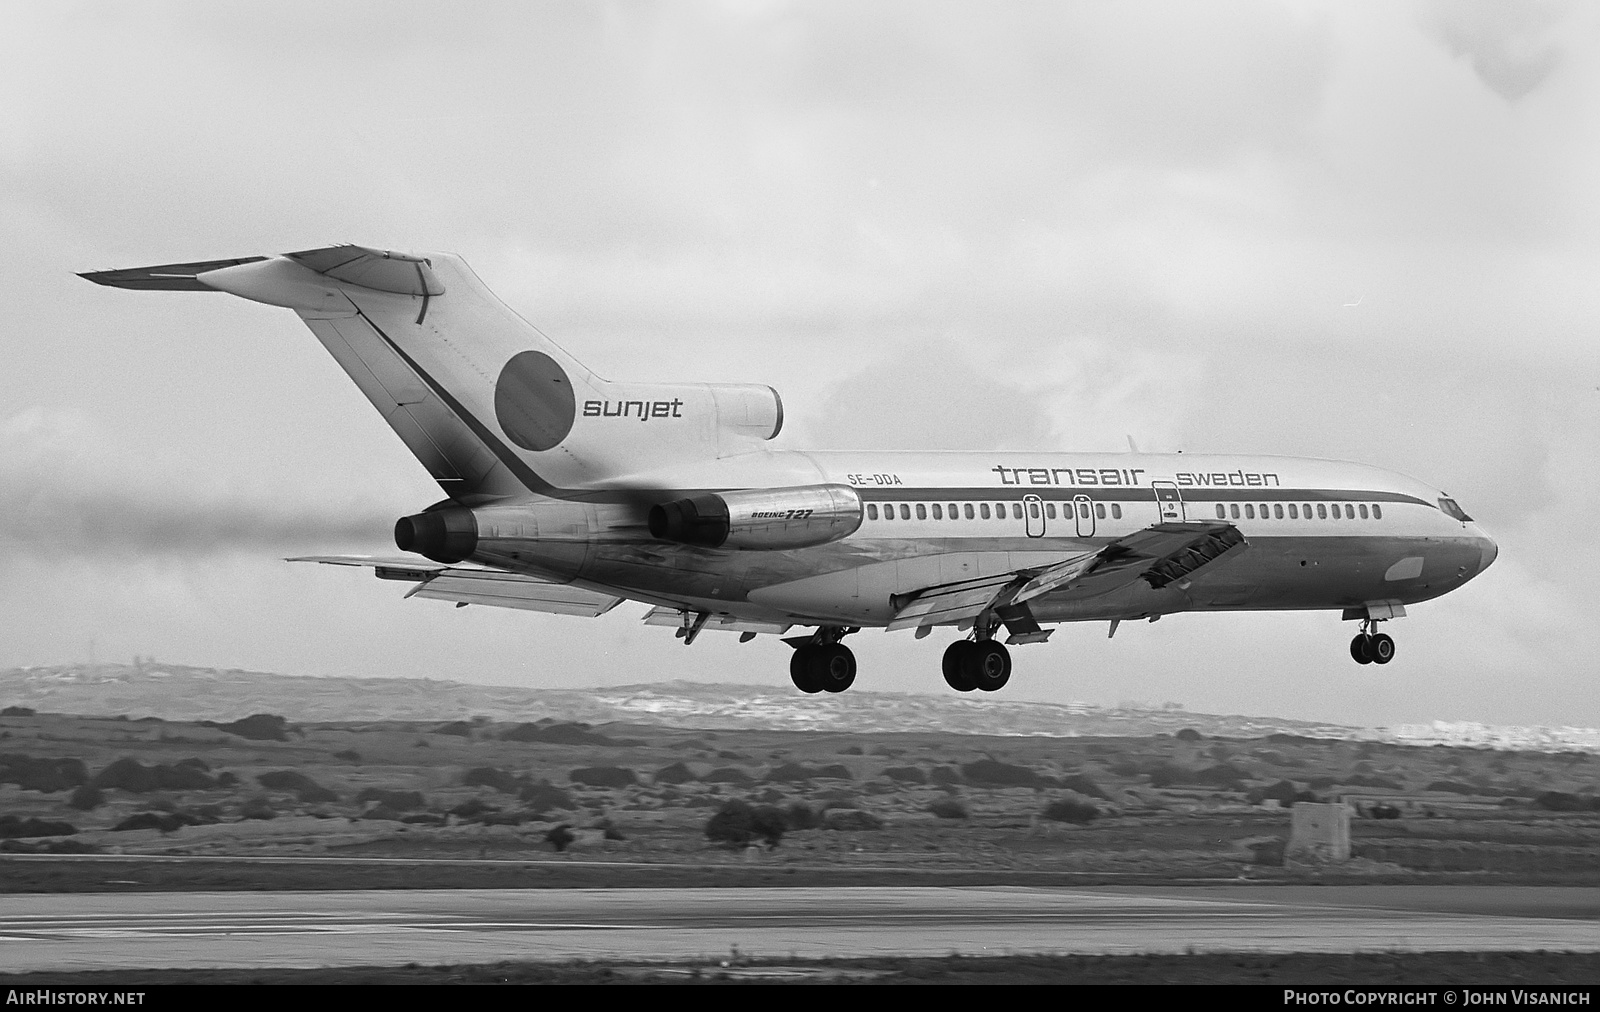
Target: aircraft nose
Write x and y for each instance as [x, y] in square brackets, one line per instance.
[1490, 552]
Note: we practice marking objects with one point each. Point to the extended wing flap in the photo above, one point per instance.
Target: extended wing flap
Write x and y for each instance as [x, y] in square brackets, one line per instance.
[950, 602]
[528, 595]
[1162, 554]
[724, 623]
[476, 585]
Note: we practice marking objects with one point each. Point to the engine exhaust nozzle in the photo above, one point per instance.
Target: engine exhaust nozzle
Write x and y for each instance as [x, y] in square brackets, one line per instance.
[447, 535]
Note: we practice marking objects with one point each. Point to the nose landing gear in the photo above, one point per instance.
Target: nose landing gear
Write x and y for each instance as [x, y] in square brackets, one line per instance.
[1370, 647]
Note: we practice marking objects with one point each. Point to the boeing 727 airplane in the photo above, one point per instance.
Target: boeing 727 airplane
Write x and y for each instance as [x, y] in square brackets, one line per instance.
[568, 493]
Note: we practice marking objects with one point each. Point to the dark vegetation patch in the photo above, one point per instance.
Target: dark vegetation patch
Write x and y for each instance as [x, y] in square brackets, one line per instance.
[301, 786]
[44, 775]
[1561, 801]
[677, 773]
[256, 727]
[1223, 775]
[948, 808]
[1283, 792]
[1083, 785]
[791, 773]
[947, 775]
[993, 773]
[544, 795]
[458, 728]
[562, 734]
[906, 775]
[728, 775]
[130, 775]
[18, 711]
[398, 801]
[86, 798]
[603, 776]
[166, 822]
[738, 823]
[851, 820]
[12, 827]
[488, 776]
[1073, 810]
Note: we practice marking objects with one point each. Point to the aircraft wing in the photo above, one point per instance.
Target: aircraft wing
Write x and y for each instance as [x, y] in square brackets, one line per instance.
[477, 585]
[1160, 555]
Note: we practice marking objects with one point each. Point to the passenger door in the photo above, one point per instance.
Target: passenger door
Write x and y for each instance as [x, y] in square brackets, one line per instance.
[1169, 502]
[1033, 515]
[1084, 510]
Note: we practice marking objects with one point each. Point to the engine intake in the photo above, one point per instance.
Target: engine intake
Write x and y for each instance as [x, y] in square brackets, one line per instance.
[448, 534]
[769, 519]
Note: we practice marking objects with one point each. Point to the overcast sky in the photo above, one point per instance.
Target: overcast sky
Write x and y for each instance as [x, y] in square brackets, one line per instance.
[1367, 231]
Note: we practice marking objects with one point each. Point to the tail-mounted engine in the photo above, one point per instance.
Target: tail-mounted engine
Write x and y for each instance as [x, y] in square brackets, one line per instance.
[768, 519]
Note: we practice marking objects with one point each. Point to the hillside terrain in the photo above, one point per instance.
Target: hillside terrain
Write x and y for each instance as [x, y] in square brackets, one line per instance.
[178, 692]
[1183, 804]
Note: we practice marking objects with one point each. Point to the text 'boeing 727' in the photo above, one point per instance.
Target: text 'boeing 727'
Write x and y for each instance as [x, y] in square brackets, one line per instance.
[568, 493]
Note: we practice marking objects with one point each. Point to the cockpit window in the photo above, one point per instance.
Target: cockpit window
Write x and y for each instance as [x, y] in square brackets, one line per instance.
[1449, 507]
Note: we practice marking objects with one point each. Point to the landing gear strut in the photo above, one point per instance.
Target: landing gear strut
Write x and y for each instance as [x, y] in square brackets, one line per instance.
[977, 664]
[1371, 647]
[823, 664]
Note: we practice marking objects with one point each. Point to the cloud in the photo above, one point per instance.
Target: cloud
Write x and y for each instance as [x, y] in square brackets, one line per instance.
[1509, 43]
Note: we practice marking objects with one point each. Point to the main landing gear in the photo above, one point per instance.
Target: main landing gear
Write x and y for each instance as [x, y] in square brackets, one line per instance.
[1371, 647]
[977, 664]
[824, 664]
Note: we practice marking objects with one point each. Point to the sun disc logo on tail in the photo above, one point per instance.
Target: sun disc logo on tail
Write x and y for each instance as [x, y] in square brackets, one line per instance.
[533, 401]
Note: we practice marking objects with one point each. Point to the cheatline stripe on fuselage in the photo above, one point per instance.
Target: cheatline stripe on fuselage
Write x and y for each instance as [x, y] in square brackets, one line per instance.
[1126, 493]
[1122, 493]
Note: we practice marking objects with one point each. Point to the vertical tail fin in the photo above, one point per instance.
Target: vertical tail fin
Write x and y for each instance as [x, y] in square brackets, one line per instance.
[489, 404]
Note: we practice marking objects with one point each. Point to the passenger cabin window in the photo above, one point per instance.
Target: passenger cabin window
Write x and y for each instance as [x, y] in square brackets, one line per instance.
[1222, 512]
[1016, 511]
[1233, 510]
[1377, 512]
[1362, 509]
[1116, 511]
[955, 514]
[1249, 511]
[922, 511]
[1050, 510]
[1306, 508]
[1322, 512]
[1450, 509]
[938, 511]
[1349, 512]
[1083, 510]
[968, 509]
[1294, 512]
[1277, 511]
[983, 510]
[999, 511]
[1033, 511]
[1100, 510]
[905, 512]
[1263, 511]
[872, 511]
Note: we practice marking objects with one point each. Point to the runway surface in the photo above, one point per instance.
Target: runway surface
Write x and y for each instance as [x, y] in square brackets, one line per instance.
[101, 931]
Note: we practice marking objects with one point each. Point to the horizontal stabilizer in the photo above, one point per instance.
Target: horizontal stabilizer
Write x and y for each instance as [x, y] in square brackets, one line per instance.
[165, 277]
[477, 585]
